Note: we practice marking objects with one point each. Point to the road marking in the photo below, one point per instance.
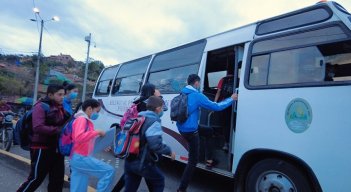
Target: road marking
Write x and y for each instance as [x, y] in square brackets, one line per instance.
[27, 161]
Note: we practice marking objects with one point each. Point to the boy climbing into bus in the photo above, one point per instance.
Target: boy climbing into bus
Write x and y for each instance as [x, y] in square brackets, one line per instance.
[189, 129]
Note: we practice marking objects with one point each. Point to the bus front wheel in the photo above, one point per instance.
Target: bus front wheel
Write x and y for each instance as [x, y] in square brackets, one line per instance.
[275, 175]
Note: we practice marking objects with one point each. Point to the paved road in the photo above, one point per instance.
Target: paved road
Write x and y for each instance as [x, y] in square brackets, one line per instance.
[202, 182]
[13, 173]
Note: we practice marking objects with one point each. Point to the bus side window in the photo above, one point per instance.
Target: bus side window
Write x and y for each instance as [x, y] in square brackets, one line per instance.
[105, 82]
[170, 69]
[130, 77]
[116, 86]
[312, 57]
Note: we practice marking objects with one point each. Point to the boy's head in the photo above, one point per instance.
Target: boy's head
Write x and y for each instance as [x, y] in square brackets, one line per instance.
[155, 104]
[194, 80]
[55, 93]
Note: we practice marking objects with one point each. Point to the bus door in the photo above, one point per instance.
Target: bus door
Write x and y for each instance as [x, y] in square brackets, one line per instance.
[217, 128]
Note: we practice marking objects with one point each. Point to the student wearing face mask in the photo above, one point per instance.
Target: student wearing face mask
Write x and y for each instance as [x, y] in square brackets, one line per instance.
[82, 163]
[71, 93]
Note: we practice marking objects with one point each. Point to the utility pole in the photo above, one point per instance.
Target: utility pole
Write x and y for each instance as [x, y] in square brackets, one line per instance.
[87, 39]
[35, 97]
[36, 84]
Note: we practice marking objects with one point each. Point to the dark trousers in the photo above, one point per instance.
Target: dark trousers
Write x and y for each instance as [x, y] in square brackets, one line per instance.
[151, 173]
[120, 184]
[206, 135]
[193, 143]
[43, 162]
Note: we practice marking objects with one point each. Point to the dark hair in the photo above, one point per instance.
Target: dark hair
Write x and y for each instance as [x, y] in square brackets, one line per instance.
[68, 86]
[153, 102]
[53, 88]
[192, 78]
[147, 90]
[93, 103]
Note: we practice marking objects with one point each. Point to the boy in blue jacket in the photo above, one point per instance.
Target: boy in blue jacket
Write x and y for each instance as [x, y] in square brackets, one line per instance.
[137, 167]
[189, 129]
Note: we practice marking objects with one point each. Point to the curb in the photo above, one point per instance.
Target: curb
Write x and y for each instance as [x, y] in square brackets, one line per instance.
[27, 162]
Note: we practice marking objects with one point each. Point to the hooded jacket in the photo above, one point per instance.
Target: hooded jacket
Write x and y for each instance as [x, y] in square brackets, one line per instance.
[83, 134]
[195, 101]
[154, 133]
[48, 119]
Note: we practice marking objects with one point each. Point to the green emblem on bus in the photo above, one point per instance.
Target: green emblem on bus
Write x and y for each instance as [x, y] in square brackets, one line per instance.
[298, 115]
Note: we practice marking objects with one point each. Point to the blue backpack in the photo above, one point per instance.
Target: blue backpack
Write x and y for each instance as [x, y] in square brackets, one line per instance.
[65, 140]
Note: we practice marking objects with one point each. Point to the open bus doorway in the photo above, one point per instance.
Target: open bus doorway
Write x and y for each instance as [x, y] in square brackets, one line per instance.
[217, 128]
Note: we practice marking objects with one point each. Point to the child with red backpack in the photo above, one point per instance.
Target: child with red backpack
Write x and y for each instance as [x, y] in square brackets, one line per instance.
[138, 105]
[82, 163]
[151, 149]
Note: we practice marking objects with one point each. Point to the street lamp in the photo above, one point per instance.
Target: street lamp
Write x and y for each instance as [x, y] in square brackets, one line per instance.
[55, 18]
[87, 39]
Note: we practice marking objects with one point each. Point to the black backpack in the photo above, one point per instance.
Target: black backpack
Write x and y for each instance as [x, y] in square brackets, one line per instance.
[24, 128]
[227, 87]
[179, 108]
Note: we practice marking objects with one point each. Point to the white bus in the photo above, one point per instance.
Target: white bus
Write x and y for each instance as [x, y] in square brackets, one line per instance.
[291, 127]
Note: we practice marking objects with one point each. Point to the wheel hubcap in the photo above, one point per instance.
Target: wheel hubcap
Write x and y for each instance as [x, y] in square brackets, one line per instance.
[274, 182]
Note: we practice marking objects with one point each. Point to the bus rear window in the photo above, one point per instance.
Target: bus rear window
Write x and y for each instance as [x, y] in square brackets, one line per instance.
[315, 64]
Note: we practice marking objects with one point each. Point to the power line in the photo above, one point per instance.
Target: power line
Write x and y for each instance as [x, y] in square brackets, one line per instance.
[56, 42]
[36, 17]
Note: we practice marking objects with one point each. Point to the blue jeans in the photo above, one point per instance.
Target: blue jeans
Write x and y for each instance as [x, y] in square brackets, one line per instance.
[151, 173]
[193, 140]
[85, 166]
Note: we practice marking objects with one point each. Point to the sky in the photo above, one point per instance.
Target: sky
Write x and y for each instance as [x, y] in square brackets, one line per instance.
[124, 30]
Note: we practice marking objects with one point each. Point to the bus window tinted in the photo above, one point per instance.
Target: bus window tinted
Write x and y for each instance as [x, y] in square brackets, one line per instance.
[172, 80]
[130, 77]
[170, 69]
[130, 85]
[185, 55]
[105, 82]
[259, 70]
[300, 39]
[321, 63]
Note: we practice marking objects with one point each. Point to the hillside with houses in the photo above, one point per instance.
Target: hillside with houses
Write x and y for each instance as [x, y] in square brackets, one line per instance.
[17, 74]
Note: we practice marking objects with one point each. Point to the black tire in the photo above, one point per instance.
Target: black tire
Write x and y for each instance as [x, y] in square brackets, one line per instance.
[276, 175]
[7, 142]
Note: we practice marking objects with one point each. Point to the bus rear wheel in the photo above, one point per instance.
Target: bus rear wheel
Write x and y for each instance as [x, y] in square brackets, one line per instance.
[275, 175]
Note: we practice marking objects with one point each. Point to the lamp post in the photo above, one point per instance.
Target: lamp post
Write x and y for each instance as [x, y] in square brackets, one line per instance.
[36, 84]
[87, 39]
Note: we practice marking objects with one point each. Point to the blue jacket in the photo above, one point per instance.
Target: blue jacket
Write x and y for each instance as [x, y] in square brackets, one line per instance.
[153, 135]
[195, 101]
[67, 105]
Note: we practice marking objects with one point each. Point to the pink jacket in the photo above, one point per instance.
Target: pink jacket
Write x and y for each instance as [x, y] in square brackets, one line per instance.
[83, 140]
